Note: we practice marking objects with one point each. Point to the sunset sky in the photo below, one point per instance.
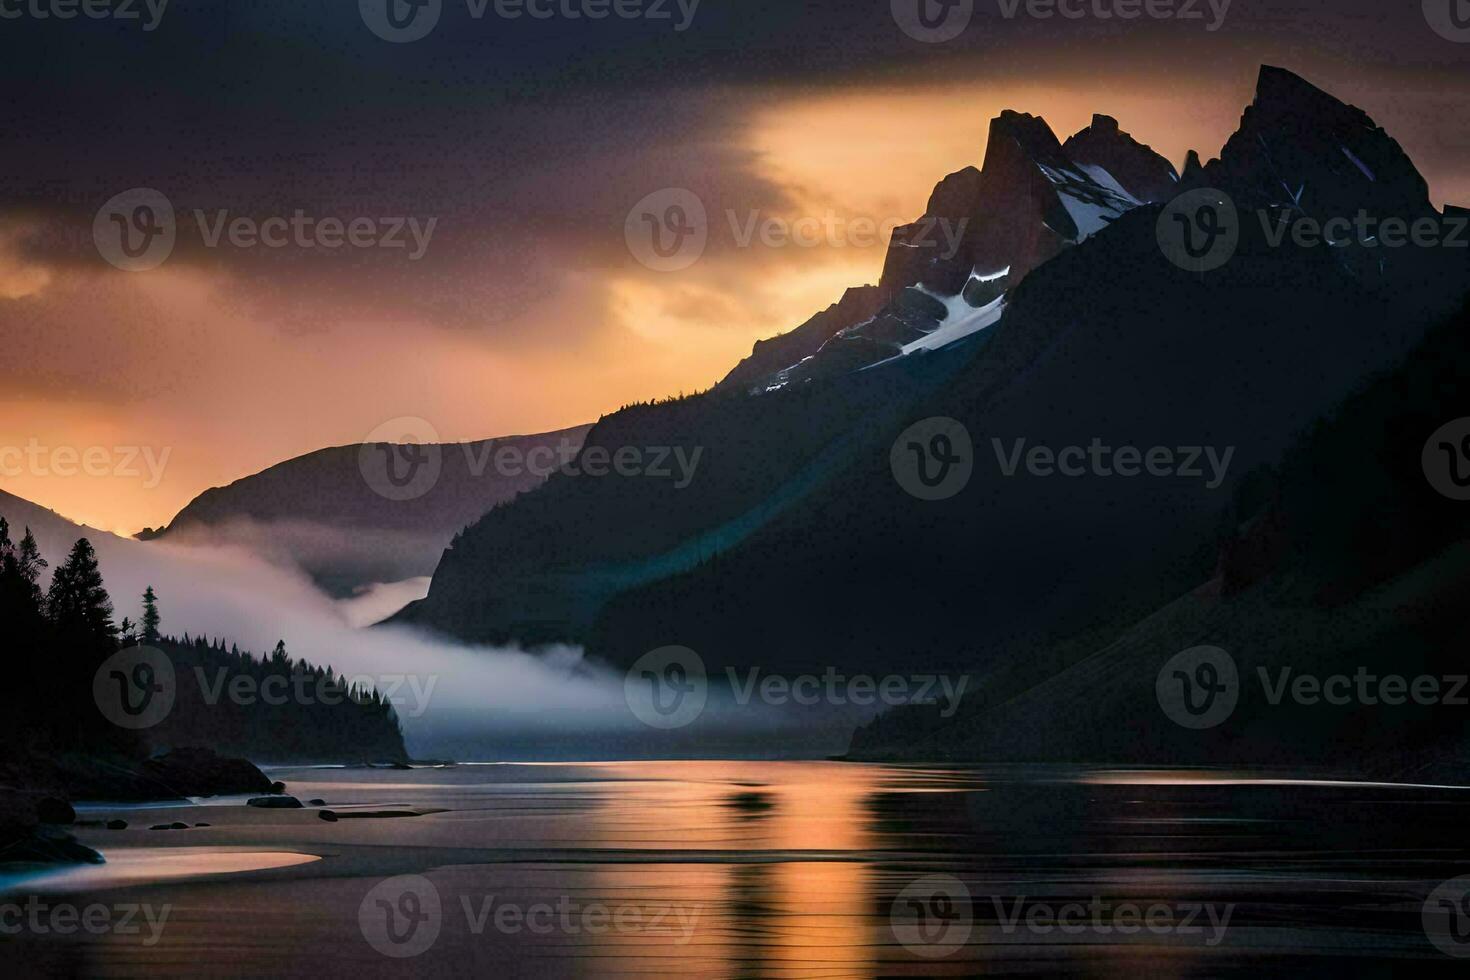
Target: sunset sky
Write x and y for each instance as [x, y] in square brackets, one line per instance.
[527, 142]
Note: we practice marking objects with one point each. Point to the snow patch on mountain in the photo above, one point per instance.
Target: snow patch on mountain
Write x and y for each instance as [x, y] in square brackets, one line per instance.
[962, 321]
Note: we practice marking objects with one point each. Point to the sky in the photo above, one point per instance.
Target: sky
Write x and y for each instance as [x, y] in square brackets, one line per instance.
[489, 168]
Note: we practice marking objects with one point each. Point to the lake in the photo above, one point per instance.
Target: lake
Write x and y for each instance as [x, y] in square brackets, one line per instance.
[752, 869]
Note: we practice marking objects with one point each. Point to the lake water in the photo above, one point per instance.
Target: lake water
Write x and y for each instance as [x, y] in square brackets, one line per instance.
[767, 869]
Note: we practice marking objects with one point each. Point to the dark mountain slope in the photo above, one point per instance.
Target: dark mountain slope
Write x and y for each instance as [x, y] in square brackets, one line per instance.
[321, 513]
[1340, 556]
[828, 561]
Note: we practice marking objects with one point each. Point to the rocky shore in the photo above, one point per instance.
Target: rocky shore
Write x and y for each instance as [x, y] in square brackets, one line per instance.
[36, 794]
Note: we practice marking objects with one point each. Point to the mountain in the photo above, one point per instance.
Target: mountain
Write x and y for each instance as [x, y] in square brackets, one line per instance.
[795, 548]
[333, 515]
[1342, 556]
[983, 231]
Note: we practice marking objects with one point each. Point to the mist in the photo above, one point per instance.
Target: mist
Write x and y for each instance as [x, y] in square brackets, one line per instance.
[458, 701]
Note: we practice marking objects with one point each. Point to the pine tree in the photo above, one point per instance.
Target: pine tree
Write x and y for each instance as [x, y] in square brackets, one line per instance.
[78, 604]
[30, 562]
[151, 618]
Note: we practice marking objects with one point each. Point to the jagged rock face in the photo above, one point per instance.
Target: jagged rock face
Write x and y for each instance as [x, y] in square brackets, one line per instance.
[1029, 201]
[1193, 169]
[1298, 147]
[1140, 171]
[1298, 151]
[770, 356]
[921, 252]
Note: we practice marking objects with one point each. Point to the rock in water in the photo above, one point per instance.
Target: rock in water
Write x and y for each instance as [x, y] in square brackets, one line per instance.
[275, 802]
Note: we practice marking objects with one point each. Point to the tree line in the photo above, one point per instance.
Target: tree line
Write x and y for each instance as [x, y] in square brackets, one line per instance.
[58, 637]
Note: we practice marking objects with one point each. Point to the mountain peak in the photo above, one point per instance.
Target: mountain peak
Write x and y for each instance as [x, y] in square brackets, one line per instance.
[1140, 171]
[1278, 89]
[1029, 133]
[1302, 148]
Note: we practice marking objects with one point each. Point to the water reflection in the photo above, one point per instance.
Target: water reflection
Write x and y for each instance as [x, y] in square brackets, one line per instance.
[806, 869]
